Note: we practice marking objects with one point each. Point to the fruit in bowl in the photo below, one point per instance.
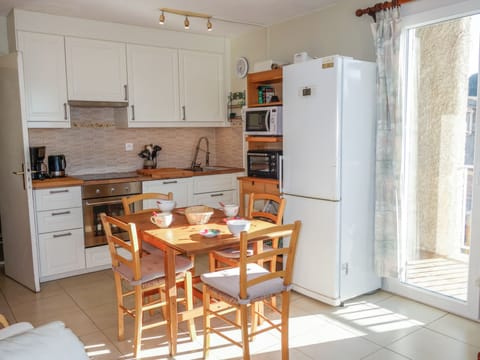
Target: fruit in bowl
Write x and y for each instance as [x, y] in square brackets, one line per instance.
[230, 210]
[198, 215]
[166, 205]
[236, 226]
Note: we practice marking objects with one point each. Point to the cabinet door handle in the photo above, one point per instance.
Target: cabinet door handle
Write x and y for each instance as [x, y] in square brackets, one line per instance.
[184, 117]
[58, 191]
[170, 182]
[62, 235]
[216, 195]
[65, 115]
[61, 213]
[133, 112]
[125, 89]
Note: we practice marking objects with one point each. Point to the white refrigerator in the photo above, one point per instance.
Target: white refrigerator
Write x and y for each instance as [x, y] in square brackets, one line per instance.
[329, 175]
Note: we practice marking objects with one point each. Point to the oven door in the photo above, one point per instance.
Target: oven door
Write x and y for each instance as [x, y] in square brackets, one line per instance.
[92, 208]
[259, 165]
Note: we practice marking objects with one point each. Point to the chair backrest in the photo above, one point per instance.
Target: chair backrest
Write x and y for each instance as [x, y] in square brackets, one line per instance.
[290, 231]
[129, 200]
[123, 251]
[279, 204]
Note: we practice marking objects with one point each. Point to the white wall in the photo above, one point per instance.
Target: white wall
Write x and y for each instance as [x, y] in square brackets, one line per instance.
[3, 35]
[333, 30]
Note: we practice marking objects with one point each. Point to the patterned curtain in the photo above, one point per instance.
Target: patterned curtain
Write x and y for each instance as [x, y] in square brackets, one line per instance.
[389, 166]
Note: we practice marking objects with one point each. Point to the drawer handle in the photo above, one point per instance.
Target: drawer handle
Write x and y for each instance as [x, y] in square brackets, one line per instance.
[65, 115]
[61, 213]
[125, 89]
[215, 195]
[59, 191]
[62, 235]
[133, 112]
[170, 182]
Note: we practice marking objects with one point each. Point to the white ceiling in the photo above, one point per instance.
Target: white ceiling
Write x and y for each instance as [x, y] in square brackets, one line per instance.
[241, 15]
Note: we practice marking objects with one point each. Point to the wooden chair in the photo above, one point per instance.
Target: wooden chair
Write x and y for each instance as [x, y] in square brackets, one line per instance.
[138, 277]
[129, 200]
[230, 257]
[249, 285]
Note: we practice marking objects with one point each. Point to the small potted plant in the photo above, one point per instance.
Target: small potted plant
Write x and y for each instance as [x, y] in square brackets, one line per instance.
[149, 154]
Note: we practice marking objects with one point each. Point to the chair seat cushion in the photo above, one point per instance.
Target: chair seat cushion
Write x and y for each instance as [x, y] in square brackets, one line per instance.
[228, 282]
[153, 268]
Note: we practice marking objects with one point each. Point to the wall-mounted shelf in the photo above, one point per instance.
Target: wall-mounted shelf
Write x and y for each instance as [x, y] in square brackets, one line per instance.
[272, 79]
[265, 139]
[236, 100]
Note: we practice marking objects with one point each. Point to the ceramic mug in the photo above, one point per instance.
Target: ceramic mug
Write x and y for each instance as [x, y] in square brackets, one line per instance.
[230, 210]
[162, 220]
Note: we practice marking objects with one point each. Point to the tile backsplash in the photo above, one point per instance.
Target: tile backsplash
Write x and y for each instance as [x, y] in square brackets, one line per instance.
[94, 144]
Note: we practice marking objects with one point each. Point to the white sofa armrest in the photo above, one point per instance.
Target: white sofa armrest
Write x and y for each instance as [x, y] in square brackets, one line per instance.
[47, 342]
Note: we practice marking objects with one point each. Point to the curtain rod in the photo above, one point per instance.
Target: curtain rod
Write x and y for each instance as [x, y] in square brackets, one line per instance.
[380, 7]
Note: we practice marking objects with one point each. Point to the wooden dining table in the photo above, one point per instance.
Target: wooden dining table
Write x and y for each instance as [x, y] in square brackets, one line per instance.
[182, 238]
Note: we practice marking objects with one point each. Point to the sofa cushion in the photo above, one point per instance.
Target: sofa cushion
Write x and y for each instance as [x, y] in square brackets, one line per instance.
[15, 329]
[46, 342]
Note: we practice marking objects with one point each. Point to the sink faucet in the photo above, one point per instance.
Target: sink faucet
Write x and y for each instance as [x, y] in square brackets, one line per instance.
[196, 165]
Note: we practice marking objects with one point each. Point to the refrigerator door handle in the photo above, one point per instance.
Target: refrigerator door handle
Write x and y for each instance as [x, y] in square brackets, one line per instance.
[280, 174]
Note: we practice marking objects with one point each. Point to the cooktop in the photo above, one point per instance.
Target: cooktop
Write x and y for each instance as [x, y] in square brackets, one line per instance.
[107, 176]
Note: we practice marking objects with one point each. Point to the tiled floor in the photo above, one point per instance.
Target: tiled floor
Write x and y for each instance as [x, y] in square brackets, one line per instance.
[381, 326]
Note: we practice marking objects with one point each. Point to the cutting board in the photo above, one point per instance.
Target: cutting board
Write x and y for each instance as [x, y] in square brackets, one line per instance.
[165, 173]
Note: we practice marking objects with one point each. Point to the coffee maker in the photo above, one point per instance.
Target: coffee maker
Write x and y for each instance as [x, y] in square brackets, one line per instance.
[39, 168]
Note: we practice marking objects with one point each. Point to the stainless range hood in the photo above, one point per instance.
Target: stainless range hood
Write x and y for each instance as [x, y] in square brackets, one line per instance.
[90, 104]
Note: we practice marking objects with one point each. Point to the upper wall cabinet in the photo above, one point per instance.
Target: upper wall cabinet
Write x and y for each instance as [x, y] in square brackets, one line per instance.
[96, 70]
[45, 80]
[152, 85]
[202, 90]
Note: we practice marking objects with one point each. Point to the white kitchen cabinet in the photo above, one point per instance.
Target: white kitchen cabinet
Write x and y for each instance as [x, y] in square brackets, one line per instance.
[152, 85]
[96, 70]
[202, 89]
[61, 252]
[181, 189]
[210, 190]
[45, 80]
[59, 218]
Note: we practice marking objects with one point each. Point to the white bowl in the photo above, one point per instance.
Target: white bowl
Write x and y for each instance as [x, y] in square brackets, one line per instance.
[162, 220]
[236, 226]
[166, 205]
[230, 210]
[198, 215]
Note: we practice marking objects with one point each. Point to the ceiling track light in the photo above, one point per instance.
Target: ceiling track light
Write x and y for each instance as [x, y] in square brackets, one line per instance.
[187, 14]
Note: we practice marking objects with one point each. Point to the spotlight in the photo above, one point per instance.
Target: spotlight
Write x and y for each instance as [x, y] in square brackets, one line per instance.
[209, 25]
[186, 23]
[161, 20]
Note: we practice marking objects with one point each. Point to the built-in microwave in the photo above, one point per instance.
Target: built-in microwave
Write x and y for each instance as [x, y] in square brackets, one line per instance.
[265, 121]
[264, 163]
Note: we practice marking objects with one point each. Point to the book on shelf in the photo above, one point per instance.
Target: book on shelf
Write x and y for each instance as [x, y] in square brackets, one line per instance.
[265, 94]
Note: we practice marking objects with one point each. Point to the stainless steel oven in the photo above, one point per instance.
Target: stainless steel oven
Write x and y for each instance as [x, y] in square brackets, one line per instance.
[104, 198]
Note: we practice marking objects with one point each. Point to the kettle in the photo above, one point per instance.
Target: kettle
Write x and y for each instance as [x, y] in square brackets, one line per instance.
[56, 165]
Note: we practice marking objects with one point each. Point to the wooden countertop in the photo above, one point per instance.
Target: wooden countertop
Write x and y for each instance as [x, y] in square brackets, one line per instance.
[258, 179]
[144, 175]
[56, 182]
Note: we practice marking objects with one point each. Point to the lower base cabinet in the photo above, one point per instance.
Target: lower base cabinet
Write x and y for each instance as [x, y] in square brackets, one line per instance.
[249, 185]
[61, 252]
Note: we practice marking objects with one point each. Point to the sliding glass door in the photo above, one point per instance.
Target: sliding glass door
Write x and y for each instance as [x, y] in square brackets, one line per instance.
[441, 164]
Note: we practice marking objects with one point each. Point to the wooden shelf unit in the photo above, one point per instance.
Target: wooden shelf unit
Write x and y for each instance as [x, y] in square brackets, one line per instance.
[247, 185]
[271, 78]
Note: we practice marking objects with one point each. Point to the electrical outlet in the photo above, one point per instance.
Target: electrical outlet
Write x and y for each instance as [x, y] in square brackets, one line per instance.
[128, 147]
